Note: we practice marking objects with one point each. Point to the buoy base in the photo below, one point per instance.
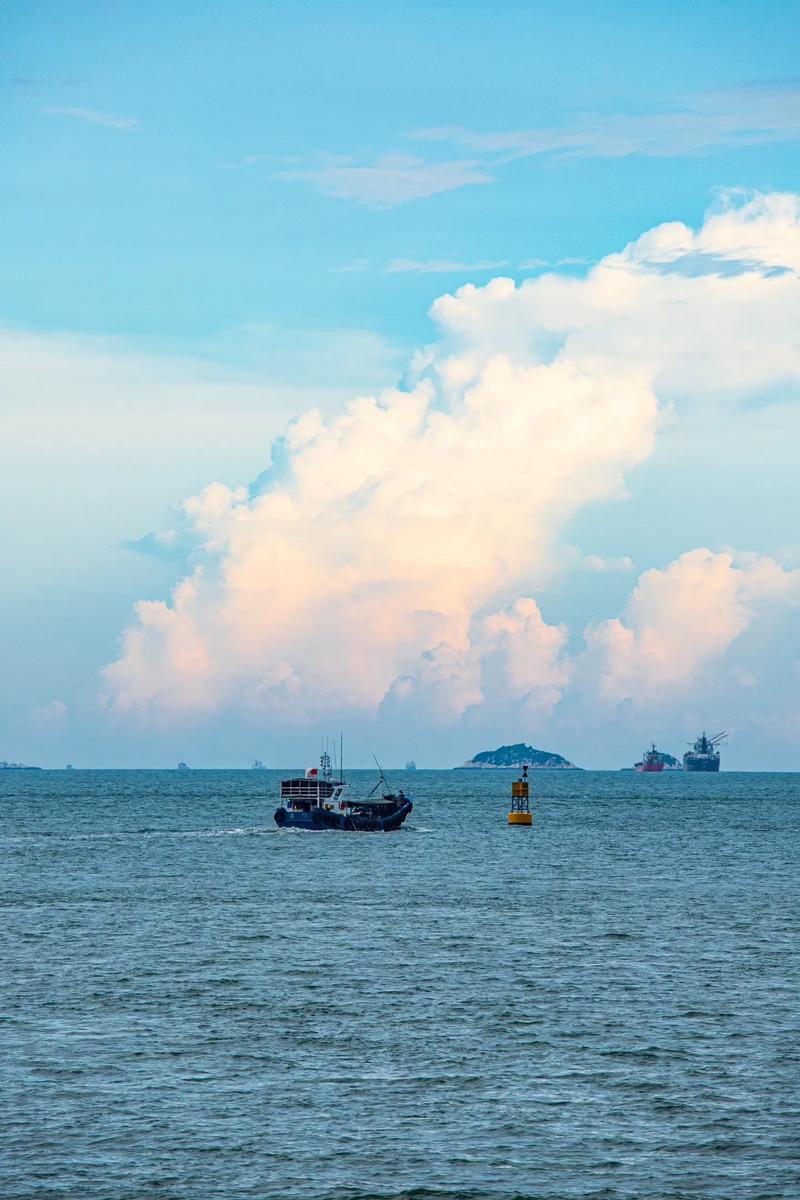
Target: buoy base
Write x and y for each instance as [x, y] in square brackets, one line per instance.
[520, 818]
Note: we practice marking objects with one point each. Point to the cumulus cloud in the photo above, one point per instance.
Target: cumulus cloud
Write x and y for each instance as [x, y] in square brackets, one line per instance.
[694, 335]
[387, 528]
[682, 617]
[530, 659]
[164, 656]
[389, 554]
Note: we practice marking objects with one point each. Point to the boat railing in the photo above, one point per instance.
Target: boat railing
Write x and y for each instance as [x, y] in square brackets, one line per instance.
[307, 789]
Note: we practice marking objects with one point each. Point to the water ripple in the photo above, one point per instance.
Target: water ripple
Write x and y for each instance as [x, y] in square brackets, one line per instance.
[196, 1006]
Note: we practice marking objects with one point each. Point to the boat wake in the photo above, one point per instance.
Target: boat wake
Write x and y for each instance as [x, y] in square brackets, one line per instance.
[123, 834]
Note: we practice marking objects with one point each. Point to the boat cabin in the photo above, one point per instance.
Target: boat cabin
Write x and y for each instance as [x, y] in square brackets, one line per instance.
[308, 793]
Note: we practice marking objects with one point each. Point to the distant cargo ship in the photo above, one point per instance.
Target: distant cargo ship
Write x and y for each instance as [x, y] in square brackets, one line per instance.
[12, 766]
[651, 761]
[704, 755]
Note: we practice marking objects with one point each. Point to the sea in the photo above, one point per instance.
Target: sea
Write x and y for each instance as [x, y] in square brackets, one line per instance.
[196, 1006]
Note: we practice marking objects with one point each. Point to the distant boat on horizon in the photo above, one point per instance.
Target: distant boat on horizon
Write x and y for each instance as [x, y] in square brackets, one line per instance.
[16, 766]
[258, 765]
[182, 766]
[704, 754]
[655, 760]
[651, 760]
[411, 765]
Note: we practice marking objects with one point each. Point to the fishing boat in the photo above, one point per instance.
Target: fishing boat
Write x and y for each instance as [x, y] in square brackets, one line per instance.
[317, 802]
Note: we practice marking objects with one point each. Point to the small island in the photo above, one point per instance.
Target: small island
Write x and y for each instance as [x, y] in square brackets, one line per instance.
[518, 756]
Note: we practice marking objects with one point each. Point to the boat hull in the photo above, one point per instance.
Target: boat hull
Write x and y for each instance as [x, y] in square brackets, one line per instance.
[701, 764]
[322, 820]
[650, 768]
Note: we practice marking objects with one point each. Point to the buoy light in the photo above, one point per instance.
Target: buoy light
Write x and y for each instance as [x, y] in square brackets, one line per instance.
[520, 806]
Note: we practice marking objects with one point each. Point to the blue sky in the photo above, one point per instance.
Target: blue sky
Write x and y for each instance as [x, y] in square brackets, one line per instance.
[221, 215]
[155, 232]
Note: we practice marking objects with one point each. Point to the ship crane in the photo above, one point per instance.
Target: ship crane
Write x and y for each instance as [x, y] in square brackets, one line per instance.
[718, 739]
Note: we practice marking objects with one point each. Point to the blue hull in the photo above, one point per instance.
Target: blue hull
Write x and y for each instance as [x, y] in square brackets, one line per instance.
[319, 820]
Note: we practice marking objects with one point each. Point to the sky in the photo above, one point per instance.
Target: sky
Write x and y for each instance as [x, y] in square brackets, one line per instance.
[428, 372]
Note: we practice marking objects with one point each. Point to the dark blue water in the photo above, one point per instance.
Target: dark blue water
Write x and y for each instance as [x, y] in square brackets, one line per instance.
[195, 1006]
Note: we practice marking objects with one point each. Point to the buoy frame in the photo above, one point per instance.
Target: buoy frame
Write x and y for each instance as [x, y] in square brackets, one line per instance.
[520, 806]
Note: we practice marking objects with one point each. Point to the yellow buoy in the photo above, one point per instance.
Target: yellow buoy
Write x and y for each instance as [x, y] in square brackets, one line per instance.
[520, 806]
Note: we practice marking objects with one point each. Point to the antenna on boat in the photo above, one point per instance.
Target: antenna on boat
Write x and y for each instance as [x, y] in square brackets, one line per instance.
[341, 755]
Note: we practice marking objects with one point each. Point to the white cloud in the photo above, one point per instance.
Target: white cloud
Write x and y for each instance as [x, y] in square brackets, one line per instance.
[682, 617]
[595, 562]
[441, 266]
[92, 117]
[49, 718]
[358, 264]
[534, 668]
[703, 122]
[510, 657]
[389, 553]
[389, 527]
[720, 332]
[728, 118]
[391, 179]
[164, 657]
[249, 160]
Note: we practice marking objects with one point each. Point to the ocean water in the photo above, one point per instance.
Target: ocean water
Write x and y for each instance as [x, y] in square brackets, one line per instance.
[195, 1006]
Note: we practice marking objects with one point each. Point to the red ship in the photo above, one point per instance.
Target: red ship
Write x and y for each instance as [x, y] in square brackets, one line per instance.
[652, 761]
